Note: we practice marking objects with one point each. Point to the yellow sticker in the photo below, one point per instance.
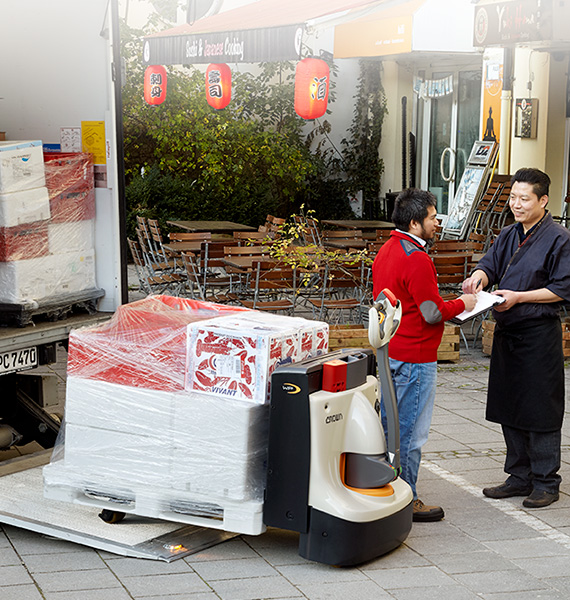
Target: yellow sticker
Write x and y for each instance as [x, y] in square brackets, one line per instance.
[93, 140]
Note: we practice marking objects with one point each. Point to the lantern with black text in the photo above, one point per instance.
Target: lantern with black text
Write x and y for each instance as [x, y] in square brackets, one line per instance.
[311, 88]
[218, 85]
[155, 84]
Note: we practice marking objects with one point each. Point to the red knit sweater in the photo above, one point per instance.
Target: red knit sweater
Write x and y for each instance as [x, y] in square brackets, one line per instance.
[403, 266]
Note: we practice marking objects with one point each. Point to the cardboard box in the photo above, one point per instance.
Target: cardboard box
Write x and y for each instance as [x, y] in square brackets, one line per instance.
[233, 357]
[77, 236]
[21, 166]
[24, 242]
[27, 206]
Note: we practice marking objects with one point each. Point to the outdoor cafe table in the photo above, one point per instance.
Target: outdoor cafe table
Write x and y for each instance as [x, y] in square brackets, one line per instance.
[213, 226]
[355, 243]
[358, 224]
[245, 263]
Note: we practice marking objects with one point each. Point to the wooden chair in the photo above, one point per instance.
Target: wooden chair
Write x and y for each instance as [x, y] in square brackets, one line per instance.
[342, 289]
[253, 237]
[153, 283]
[274, 288]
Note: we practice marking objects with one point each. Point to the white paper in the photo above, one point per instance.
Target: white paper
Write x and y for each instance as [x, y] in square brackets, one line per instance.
[485, 301]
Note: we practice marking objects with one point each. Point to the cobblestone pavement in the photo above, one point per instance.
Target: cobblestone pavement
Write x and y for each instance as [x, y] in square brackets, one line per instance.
[483, 549]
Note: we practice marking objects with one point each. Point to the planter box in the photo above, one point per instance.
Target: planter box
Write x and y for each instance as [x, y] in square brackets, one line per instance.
[356, 336]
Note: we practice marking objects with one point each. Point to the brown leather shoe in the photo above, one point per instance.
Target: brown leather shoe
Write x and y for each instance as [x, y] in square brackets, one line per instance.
[506, 490]
[426, 514]
[540, 499]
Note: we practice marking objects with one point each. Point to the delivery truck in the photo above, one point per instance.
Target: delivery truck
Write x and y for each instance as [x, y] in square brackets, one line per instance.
[62, 209]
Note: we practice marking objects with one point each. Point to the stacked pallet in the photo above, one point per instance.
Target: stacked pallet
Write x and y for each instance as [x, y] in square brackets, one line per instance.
[356, 336]
[488, 329]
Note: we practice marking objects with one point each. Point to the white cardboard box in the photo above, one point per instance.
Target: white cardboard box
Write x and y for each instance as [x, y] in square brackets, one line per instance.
[21, 166]
[77, 236]
[27, 206]
[25, 281]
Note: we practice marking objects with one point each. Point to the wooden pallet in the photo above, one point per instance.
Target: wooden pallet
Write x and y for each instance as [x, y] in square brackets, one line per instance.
[356, 336]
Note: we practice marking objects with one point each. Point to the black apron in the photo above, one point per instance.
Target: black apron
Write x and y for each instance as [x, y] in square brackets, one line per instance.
[526, 378]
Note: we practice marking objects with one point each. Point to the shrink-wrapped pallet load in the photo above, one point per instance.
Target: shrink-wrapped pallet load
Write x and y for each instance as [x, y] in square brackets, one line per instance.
[140, 437]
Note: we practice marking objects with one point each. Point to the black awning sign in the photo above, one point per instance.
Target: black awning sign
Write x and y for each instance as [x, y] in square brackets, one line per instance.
[241, 46]
[509, 23]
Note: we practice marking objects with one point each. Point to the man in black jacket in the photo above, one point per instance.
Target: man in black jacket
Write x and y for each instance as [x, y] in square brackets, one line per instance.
[530, 263]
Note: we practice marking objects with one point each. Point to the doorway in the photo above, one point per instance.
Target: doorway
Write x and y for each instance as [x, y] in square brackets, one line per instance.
[448, 125]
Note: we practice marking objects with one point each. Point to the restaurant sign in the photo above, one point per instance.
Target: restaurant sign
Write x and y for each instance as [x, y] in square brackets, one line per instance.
[518, 21]
[240, 46]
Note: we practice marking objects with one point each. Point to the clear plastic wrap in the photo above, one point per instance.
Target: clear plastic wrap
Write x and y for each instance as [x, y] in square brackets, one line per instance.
[143, 345]
[21, 166]
[134, 440]
[47, 250]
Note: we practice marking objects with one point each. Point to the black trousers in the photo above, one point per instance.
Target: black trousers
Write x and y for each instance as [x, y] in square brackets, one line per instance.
[533, 458]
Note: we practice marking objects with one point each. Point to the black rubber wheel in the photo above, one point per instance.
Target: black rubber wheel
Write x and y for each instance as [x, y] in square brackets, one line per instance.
[111, 516]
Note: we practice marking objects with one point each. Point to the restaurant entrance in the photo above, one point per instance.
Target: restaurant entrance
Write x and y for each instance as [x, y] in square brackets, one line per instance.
[448, 125]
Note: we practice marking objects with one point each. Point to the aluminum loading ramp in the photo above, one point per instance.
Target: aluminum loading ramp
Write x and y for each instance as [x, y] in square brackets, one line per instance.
[23, 505]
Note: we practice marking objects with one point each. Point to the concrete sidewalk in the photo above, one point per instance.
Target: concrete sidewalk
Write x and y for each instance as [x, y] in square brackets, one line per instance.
[490, 549]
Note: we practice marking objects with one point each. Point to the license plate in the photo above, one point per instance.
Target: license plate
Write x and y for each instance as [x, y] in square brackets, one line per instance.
[18, 360]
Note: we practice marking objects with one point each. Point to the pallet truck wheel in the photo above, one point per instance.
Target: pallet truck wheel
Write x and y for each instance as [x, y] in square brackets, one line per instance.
[111, 516]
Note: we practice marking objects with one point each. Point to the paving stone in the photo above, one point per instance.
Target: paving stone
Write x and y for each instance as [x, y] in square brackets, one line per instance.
[125, 567]
[20, 592]
[234, 569]
[412, 577]
[512, 581]
[8, 556]
[312, 572]
[255, 588]
[363, 590]
[471, 562]
[403, 556]
[154, 585]
[443, 592]
[105, 594]
[52, 562]
[545, 566]
[73, 581]
[533, 547]
[14, 575]
[236, 548]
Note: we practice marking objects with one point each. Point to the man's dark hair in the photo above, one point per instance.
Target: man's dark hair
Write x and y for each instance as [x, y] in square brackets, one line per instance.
[540, 181]
[412, 205]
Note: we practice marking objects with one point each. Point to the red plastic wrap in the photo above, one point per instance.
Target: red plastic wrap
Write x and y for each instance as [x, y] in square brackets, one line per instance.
[70, 182]
[24, 241]
[143, 345]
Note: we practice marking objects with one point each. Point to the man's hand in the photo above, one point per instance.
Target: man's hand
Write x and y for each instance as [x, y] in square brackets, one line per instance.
[469, 300]
[475, 283]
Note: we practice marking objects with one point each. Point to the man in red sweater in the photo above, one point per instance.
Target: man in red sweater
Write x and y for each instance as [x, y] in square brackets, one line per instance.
[404, 266]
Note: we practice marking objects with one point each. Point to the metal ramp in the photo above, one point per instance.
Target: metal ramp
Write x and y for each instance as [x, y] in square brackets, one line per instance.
[23, 505]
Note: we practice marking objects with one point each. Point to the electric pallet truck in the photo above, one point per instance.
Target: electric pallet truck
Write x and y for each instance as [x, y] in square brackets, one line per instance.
[331, 474]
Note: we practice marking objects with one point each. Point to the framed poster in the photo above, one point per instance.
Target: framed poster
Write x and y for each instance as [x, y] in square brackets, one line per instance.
[464, 201]
[481, 153]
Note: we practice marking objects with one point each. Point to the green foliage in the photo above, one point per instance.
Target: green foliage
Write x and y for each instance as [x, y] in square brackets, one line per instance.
[240, 163]
[362, 162]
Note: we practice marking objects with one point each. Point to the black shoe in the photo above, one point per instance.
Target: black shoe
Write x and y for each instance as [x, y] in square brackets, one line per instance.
[506, 490]
[540, 498]
[426, 514]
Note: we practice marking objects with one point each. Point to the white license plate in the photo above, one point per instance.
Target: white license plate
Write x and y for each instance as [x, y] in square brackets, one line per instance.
[18, 360]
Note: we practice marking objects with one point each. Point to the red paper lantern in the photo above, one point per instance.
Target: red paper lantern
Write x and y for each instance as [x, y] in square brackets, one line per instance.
[155, 84]
[312, 79]
[218, 85]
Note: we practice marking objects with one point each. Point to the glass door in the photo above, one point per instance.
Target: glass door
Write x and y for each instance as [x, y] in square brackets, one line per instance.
[450, 127]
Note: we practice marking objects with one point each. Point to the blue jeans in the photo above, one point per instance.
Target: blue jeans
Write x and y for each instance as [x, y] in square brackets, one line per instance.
[415, 385]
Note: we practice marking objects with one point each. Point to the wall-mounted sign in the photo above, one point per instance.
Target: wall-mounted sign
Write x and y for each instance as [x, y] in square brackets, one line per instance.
[505, 23]
[239, 46]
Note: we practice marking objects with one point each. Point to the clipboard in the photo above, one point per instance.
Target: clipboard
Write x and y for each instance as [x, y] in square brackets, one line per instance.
[485, 301]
